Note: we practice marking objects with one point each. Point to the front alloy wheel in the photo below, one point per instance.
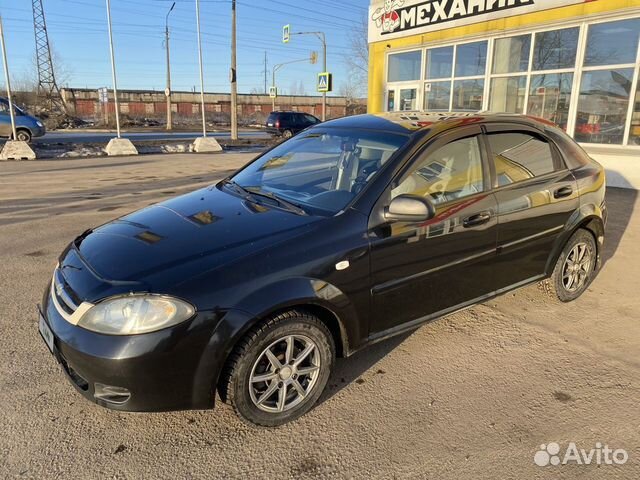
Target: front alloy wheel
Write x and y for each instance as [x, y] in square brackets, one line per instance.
[279, 369]
[284, 374]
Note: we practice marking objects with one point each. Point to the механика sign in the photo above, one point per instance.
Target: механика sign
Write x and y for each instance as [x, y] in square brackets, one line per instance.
[396, 18]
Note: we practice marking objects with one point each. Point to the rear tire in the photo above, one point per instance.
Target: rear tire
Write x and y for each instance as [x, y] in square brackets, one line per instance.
[287, 134]
[576, 267]
[279, 369]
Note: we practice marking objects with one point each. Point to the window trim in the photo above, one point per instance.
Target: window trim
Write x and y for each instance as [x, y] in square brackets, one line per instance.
[432, 145]
[559, 164]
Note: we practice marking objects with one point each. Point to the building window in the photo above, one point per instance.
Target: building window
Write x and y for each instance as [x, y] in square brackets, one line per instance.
[468, 94]
[437, 96]
[511, 55]
[556, 49]
[603, 106]
[634, 133]
[613, 43]
[405, 67]
[471, 59]
[439, 63]
[550, 97]
[508, 94]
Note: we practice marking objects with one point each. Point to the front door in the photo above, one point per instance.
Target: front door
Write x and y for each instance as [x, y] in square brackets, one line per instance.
[421, 270]
[5, 120]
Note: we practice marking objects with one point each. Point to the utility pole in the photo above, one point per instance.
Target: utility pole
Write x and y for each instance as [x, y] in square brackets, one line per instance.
[265, 72]
[234, 80]
[168, 90]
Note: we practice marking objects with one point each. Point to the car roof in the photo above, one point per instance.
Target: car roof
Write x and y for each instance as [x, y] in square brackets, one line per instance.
[413, 122]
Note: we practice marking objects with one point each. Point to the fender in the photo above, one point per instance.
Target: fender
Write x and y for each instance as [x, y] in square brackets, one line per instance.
[300, 291]
[589, 216]
[233, 324]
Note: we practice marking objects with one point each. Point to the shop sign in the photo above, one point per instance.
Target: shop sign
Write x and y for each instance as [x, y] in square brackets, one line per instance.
[397, 18]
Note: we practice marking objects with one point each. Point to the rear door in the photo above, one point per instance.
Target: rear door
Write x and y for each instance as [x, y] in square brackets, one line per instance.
[424, 269]
[536, 196]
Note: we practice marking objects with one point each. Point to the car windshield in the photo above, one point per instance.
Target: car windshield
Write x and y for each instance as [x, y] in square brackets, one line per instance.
[322, 169]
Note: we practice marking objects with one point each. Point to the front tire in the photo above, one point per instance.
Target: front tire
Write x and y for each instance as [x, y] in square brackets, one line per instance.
[23, 136]
[575, 268]
[279, 369]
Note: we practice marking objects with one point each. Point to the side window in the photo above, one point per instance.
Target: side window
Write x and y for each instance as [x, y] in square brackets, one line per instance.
[310, 119]
[451, 172]
[520, 156]
[4, 108]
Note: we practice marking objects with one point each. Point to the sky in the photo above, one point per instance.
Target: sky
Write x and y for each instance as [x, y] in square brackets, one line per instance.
[78, 36]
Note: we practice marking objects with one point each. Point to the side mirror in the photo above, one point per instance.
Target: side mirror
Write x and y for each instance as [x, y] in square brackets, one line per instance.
[409, 208]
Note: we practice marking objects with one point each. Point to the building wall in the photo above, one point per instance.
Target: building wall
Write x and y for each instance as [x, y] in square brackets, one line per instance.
[622, 160]
[86, 104]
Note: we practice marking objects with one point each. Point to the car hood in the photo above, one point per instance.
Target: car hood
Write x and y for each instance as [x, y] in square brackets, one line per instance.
[193, 233]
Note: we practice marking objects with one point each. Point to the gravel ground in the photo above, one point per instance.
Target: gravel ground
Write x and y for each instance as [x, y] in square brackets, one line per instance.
[473, 395]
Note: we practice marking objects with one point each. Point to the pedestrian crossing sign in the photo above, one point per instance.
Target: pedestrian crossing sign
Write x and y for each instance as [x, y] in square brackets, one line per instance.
[325, 81]
[273, 92]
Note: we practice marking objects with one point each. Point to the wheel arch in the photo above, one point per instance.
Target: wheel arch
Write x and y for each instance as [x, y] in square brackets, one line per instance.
[587, 219]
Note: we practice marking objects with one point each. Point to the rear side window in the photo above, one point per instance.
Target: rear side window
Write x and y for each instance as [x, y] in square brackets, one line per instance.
[519, 156]
[272, 118]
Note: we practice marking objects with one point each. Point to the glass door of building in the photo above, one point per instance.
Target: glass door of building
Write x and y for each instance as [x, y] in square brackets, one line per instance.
[403, 98]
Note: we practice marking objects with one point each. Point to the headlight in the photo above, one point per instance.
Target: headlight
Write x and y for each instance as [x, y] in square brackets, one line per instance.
[135, 314]
[39, 123]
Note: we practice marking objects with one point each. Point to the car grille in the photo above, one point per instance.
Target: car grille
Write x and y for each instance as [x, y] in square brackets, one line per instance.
[65, 299]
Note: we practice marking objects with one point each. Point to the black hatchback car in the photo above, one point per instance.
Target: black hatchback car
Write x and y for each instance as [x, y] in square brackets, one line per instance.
[356, 230]
[287, 124]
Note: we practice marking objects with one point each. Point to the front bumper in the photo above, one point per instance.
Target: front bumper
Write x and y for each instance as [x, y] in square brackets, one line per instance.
[172, 369]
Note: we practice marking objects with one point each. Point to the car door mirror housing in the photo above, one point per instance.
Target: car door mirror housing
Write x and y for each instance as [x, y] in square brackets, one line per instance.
[409, 208]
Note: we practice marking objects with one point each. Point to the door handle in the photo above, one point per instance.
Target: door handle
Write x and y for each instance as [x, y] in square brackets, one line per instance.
[477, 219]
[563, 192]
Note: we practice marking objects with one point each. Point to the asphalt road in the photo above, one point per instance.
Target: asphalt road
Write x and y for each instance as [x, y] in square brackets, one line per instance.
[98, 137]
[471, 396]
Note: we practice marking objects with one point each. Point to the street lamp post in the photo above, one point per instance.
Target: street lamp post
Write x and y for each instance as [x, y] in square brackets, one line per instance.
[204, 121]
[203, 144]
[322, 39]
[277, 67]
[168, 91]
[113, 69]
[8, 82]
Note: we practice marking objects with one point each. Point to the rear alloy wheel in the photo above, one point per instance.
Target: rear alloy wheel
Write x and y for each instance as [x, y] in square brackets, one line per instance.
[287, 134]
[23, 136]
[576, 267]
[279, 370]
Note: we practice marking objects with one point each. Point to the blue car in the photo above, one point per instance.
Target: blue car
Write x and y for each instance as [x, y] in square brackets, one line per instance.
[27, 126]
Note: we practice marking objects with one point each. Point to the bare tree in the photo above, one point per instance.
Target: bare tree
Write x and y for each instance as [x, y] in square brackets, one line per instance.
[301, 89]
[357, 60]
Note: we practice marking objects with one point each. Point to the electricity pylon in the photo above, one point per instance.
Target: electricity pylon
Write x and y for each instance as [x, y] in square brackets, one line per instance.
[47, 87]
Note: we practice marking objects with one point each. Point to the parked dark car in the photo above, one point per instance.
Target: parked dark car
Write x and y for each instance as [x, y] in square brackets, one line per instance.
[353, 231]
[27, 126]
[287, 124]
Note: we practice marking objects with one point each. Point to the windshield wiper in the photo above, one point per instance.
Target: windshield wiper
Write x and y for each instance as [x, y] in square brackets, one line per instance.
[239, 189]
[281, 201]
[252, 192]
